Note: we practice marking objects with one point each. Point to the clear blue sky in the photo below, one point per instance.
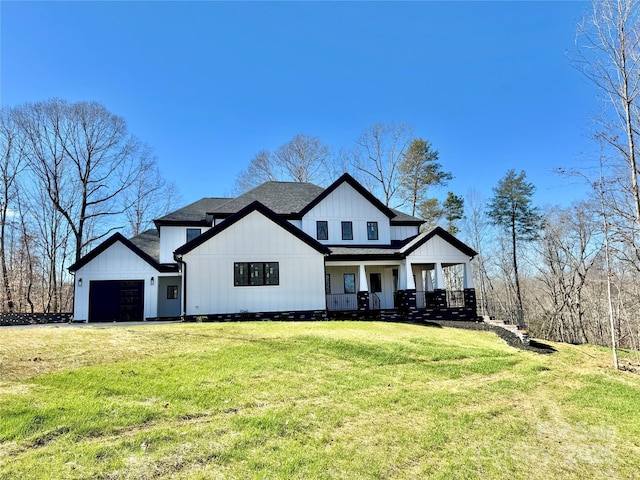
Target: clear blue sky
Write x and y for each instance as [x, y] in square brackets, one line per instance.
[209, 84]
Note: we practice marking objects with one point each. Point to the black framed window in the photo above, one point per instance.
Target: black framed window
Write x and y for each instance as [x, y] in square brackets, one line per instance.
[271, 273]
[347, 230]
[349, 283]
[372, 230]
[327, 283]
[192, 233]
[172, 292]
[256, 273]
[322, 230]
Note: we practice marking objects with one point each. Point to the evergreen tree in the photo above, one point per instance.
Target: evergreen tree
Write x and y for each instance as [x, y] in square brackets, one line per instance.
[511, 208]
[419, 170]
[453, 211]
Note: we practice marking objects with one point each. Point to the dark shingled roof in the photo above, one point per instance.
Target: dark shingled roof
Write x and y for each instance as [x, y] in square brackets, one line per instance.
[288, 199]
[194, 213]
[283, 198]
[402, 218]
[149, 242]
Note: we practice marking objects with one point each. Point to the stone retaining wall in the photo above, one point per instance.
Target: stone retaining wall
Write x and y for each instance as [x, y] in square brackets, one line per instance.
[7, 319]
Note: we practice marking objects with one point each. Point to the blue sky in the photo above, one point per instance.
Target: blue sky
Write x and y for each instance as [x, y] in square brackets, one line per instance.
[209, 84]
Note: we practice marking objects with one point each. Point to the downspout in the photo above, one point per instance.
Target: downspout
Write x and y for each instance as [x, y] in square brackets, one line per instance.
[178, 258]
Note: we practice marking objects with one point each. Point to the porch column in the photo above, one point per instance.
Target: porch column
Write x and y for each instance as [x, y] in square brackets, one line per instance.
[410, 282]
[439, 277]
[407, 300]
[439, 287]
[363, 290]
[468, 275]
[429, 284]
[362, 279]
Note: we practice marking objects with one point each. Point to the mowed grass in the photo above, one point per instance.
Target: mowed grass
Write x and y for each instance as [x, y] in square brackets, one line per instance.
[308, 400]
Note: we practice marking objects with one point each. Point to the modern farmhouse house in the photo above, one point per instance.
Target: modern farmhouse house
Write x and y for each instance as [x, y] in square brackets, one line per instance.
[282, 250]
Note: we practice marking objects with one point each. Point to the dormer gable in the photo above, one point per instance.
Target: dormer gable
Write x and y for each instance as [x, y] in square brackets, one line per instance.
[353, 183]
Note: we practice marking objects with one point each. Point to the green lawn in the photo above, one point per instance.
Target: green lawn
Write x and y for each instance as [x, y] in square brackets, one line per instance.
[308, 400]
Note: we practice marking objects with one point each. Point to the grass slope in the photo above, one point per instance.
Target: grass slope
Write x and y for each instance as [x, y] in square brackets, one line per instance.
[308, 400]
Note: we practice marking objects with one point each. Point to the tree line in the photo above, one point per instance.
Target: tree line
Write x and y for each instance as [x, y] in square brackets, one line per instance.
[70, 174]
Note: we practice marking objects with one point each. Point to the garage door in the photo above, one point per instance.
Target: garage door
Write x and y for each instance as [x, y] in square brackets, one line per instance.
[116, 301]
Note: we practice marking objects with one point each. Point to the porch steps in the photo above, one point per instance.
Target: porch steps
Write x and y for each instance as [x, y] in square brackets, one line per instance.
[523, 335]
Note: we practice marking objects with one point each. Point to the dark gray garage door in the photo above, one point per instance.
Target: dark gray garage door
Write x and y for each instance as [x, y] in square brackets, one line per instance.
[116, 301]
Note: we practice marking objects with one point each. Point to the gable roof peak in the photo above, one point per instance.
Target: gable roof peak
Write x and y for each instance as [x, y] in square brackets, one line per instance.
[357, 186]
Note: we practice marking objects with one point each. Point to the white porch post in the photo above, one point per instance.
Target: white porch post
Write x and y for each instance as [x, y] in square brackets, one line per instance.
[362, 279]
[439, 277]
[410, 282]
[429, 284]
[468, 275]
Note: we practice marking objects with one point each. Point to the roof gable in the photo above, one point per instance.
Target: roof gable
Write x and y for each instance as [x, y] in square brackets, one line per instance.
[423, 238]
[253, 207]
[118, 237]
[346, 178]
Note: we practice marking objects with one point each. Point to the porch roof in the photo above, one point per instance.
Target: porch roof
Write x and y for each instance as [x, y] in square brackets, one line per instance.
[361, 252]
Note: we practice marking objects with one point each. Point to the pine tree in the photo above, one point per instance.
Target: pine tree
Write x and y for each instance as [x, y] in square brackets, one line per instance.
[511, 207]
[453, 211]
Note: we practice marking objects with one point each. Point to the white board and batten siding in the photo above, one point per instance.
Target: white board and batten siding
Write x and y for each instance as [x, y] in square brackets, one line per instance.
[171, 238]
[116, 263]
[438, 250]
[254, 238]
[401, 232]
[346, 204]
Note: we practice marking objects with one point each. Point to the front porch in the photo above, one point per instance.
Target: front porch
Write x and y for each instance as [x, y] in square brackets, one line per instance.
[399, 290]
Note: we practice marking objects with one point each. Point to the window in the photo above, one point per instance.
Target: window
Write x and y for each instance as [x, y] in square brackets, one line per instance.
[375, 282]
[322, 230]
[347, 231]
[327, 283]
[256, 273]
[172, 292]
[372, 230]
[192, 233]
[349, 283]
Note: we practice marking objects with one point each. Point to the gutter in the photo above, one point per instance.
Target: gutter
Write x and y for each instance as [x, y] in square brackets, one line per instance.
[178, 258]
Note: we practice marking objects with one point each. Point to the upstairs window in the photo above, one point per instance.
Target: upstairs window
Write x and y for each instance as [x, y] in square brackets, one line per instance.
[347, 231]
[372, 230]
[192, 233]
[256, 273]
[322, 230]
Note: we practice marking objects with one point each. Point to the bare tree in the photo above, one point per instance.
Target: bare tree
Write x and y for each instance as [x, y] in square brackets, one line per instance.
[301, 159]
[149, 197]
[85, 159]
[379, 152]
[11, 163]
[304, 159]
[609, 55]
[261, 169]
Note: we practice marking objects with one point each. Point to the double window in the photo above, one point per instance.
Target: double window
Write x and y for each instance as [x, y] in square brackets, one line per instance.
[256, 273]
